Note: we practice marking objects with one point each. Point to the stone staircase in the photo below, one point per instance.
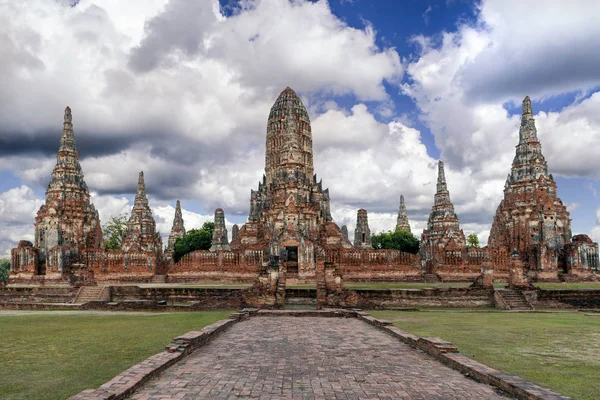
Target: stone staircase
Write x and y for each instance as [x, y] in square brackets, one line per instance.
[89, 293]
[159, 279]
[513, 300]
[431, 278]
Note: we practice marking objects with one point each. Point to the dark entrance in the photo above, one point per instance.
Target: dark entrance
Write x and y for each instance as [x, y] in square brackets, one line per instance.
[292, 259]
[41, 268]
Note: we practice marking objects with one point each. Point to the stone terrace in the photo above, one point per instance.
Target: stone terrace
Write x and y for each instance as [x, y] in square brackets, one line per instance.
[310, 358]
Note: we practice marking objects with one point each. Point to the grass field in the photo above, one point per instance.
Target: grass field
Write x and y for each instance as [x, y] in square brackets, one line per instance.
[53, 355]
[558, 350]
[568, 285]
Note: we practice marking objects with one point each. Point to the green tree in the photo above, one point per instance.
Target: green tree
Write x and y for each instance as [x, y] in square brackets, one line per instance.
[4, 268]
[114, 232]
[401, 240]
[195, 239]
[473, 241]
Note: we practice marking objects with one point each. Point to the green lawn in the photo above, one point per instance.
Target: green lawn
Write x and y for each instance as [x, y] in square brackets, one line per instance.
[567, 285]
[558, 350]
[53, 355]
[409, 285]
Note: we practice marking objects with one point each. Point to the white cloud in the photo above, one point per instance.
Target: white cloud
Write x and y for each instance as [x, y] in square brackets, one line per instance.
[461, 81]
[18, 208]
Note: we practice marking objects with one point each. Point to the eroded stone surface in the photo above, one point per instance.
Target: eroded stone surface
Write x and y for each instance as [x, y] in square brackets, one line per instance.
[310, 358]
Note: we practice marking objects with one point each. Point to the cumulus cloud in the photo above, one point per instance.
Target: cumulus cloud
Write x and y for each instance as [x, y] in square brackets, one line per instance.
[18, 208]
[465, 82]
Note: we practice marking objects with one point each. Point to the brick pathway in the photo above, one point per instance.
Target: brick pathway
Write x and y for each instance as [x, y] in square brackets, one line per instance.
[310, 358]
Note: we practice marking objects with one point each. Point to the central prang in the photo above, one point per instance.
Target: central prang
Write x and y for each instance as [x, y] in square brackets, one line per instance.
[289, 213]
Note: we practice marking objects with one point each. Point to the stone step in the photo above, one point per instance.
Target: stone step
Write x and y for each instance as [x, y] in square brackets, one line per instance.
[89, 293]
[515, 300]
[158, 279]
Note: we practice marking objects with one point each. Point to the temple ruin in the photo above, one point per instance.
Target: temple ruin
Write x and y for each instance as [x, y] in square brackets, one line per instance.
[290, 233]
[532, 221]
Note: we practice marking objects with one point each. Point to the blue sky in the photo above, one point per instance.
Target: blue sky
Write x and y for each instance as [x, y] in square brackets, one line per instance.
[181, 89]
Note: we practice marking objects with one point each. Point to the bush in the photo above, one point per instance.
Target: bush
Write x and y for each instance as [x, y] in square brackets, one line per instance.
[195, 239]
[401, 240]
[4, 268]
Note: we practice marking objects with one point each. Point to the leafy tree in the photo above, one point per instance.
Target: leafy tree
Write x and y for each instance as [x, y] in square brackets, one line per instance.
[114, 232]
[473, 241]
[4, 268]
[401, 240]
[195, 239]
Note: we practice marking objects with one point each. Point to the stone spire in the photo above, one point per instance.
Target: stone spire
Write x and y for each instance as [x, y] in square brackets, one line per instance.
[443, 231]
[529, 162]
[442, 215]
[67, 218]
[291, 209]
[177, 231]
[67, 141]
[402, 221]
[531, 218]
[235, 231]
[362, 233]
[442, 196]
[289, 138]
[141, 227]
[345, 231]
[219, 239]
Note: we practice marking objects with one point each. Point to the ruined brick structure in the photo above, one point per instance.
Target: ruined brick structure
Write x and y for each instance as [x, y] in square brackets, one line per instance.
[235, 231]
[402, 220]
[67, 224]
[362, 233]
[532, 220]
[289, 213]
[177, 231]
[219, 239]
[443, 243]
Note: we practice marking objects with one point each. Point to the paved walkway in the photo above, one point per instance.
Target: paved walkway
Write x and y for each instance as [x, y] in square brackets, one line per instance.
[310, 358]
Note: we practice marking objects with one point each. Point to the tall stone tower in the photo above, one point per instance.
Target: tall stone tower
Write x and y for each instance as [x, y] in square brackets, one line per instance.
[235, 231]
[531, 219]
[219, 239]
[177, 231]
[443, 242]
[402, 221]
[67, 218]
[141, 227]
[362, 233]
[290, 212]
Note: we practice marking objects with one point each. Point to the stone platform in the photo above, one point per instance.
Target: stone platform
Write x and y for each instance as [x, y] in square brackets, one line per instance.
[280, 357]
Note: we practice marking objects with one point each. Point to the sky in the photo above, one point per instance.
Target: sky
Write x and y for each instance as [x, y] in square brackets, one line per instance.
[182, 89]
